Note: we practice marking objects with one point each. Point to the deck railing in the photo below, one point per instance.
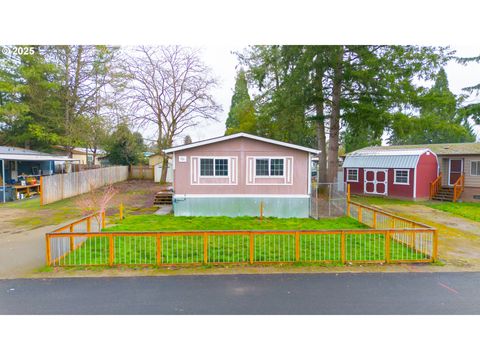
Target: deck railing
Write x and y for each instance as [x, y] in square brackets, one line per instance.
[458, 187]
[435, 186]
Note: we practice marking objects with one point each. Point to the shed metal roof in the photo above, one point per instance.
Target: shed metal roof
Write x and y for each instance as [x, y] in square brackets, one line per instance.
[382, 158]
[16, 153]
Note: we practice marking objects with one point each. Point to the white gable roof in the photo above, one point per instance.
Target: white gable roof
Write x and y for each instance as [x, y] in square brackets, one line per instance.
[382, 158]
[234, 136]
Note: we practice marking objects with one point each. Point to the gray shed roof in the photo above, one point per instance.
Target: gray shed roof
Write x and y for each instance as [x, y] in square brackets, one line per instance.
[385, 159]
[16, 153]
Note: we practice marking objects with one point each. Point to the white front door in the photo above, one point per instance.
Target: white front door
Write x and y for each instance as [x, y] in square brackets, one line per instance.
[375, 181]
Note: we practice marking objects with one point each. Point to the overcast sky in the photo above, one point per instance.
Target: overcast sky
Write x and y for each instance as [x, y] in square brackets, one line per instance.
[224, 63]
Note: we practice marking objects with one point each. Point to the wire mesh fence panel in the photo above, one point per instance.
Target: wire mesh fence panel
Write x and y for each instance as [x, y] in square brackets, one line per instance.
[327, 200]
[411, 245]
[364, 246]
[274, 247]
[182, 249]
[134, 250]
[93, 251]
[228, 248]
[320, 247]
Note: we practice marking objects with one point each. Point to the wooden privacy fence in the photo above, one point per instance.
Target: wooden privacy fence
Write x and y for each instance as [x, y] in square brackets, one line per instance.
[63, 186]
[141, 172]
[406, 241]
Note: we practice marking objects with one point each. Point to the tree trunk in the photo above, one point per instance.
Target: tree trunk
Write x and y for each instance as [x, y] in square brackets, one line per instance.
[335, 118]
[321, 138]
[163, 178]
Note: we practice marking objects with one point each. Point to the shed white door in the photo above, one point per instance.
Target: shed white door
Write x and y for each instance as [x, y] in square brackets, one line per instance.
[375, 181]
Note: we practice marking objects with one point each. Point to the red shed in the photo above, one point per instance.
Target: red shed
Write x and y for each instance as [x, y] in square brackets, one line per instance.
[403, 174]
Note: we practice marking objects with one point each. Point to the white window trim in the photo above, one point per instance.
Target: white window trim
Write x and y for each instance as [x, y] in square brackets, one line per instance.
[395, 177]
[200, 176]
[286, 175]
[195, 171]
[478, 167]
[348, 180]
[269, 158]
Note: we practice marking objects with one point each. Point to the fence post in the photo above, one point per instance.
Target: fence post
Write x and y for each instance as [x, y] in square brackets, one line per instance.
[72, 242]
[374, 219]
[41, 190]
[103, 220]
[348, 208]
[435, 245]
[159, 250]
[348, 192]
[360, 217]
[111, 250]
[48, 253]
[89, 224]
[205, 247]
[297, 246]
[342, 247]
[121, 211]
[387, 246]
[252, 253]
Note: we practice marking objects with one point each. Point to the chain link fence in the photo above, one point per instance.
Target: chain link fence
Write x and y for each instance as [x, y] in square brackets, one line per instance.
[328, 200]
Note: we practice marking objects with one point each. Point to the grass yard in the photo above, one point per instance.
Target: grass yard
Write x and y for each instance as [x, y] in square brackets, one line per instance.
[465, 209]
[468, 210]
[183, 249]
[181, 223]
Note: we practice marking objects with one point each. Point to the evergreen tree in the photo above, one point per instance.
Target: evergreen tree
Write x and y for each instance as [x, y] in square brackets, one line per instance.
[30, 108]
[241, 117]
[187, 140]
[125, 147]
[440, 119]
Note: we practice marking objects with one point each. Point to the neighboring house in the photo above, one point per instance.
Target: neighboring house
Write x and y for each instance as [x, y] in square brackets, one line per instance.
[394, 173]
[232, 175]
[17, 164]
[156, 161]
[454, 160]
[84, 156]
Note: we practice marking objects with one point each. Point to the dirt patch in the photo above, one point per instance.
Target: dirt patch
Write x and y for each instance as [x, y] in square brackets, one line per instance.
[23, 224]
[458, 238]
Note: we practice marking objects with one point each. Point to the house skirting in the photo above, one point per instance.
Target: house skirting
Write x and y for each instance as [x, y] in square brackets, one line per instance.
[284, 206]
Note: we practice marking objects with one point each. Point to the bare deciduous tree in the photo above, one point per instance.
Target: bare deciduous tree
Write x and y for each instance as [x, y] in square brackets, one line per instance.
[170, 88]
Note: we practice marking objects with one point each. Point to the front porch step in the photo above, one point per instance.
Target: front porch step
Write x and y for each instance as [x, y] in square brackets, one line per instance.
[444, 194]
[163, 198]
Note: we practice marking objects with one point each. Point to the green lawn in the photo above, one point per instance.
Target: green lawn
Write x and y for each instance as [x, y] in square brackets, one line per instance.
[183, 249]
[467, 210]
[180, 223]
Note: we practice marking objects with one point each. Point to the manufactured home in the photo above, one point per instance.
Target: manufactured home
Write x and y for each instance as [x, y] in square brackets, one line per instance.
[237, 174]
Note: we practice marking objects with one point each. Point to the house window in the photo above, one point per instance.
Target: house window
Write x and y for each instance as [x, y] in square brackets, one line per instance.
[269, 167]
[276, 167]
[402, 177]
[475, 168]
[213, 167]
[352, 175]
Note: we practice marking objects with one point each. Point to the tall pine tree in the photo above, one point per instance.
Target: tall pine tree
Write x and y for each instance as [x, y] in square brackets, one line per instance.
[241, 117]
[440, 120]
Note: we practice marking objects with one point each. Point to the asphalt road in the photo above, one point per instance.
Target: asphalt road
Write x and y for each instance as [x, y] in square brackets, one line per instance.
[397, 293]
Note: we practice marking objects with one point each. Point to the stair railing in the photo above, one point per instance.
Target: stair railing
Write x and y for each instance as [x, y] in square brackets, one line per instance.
[435, 186]
[458, 188]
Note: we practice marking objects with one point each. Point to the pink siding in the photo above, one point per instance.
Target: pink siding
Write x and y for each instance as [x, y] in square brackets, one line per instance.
[241, 151]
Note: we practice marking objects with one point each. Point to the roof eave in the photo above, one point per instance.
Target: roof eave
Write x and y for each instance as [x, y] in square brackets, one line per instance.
[234, 136]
